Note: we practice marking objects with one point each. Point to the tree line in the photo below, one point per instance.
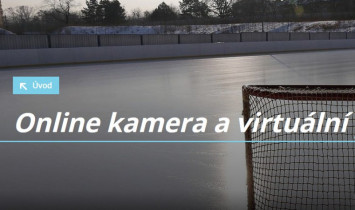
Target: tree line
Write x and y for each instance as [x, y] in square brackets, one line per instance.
[59, 13]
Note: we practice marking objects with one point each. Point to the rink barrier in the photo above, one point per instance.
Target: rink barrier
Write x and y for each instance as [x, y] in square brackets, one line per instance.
[337, 35]
[160, 39]
[74, 41]
[299, 36]
[254, 37]
[222, 38]
[350, 35]
[320, 36]
[119, 40]
[53, 56]
[278, 36]
[23, 42]
[195, 38]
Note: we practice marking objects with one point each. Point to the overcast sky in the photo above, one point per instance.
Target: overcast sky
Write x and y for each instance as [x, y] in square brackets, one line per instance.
[128, 4]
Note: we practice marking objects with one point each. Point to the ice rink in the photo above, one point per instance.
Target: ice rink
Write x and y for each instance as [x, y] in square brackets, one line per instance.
[146, 176]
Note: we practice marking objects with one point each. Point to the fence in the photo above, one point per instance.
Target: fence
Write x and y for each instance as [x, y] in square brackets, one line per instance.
[23, 42]
[77, 41]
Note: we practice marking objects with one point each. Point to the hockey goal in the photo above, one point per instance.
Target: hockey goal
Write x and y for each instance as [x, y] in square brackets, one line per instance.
[300, 170]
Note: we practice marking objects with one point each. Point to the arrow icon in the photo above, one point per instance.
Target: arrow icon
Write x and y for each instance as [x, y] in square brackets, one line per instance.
[23, 86]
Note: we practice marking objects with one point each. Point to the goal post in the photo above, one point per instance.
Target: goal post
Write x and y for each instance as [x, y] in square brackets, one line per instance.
[283, 173]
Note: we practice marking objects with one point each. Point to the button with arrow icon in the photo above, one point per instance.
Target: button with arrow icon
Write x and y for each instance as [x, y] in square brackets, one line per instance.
[23, 86]
[35, 85]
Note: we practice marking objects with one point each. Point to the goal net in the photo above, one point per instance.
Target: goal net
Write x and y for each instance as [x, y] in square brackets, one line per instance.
[313, 169]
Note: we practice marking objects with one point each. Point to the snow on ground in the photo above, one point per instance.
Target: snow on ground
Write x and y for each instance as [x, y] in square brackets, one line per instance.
[319, 26]
[5, 32]
[160, 29]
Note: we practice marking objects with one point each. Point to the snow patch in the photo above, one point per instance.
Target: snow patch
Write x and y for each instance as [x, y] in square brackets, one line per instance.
[318, 26]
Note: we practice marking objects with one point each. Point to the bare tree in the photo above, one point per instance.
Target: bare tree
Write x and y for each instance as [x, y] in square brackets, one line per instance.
[20, 19]
[136, 14]
[20, 14]
[63, 8]
[146, 14]
[194, 8]
[1, 16]
[222, 8]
